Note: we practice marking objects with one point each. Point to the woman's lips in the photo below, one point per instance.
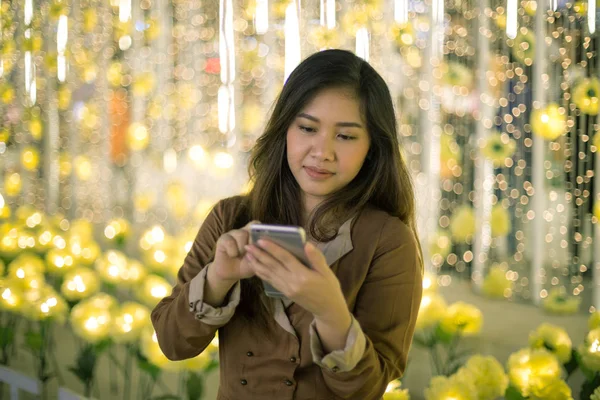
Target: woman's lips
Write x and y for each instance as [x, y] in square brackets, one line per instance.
[317, 173]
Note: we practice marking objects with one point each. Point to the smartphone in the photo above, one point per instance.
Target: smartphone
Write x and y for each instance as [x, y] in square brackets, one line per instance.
[291, 238]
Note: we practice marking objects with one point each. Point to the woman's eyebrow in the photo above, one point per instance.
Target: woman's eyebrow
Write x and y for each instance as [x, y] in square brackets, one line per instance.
[342, 124]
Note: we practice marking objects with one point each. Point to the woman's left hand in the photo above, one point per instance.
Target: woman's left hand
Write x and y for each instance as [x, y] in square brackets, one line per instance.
[315, 289]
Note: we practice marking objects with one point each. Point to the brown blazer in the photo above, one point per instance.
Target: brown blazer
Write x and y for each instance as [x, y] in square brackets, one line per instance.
[381, 279]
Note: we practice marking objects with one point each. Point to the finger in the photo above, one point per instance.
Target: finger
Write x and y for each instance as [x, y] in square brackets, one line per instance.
[277, 252]
[265, 258]
[263, 272]
[316, 258]
[229, 245]
[241, 238]
[249, 224]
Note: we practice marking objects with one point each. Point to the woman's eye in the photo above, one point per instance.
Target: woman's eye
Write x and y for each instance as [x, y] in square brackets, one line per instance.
[346, 137]
[307, 129]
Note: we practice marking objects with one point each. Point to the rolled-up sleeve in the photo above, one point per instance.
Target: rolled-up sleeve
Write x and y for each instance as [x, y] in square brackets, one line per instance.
[180, 333]
[339, 360]
[386, 311]
[217, 316]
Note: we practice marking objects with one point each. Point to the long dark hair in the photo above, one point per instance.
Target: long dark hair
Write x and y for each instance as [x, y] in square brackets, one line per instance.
[383, 181]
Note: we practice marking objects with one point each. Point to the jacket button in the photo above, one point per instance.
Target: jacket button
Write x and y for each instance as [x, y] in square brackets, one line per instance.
[293, 359]
[244, 382]
[249, 354]
[288, 382]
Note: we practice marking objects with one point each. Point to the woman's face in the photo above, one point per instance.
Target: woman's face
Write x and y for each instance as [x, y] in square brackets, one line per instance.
[327, 144]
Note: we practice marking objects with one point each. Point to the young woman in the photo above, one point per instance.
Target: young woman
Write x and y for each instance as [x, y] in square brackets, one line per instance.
[328, 161]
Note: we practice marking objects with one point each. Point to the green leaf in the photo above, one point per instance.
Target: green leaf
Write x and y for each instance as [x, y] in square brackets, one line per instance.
[572, 365]
[194, 386]
[102, 345]
[214, 364]
[34, 341]
[148, 367]
[443, 336]
[512, 393]
[589, 386]
[166, 397]
[7, 336]
[85, 364]
[589, 374]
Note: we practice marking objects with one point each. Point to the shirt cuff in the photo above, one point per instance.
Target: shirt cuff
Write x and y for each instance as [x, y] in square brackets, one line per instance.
[205, 312]
[339, 360]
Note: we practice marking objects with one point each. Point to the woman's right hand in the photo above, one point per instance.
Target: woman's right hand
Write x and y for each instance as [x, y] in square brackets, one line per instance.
[229, 263]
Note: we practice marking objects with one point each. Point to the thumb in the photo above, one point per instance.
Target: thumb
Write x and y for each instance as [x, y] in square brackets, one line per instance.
[249, 224]
[315, 257]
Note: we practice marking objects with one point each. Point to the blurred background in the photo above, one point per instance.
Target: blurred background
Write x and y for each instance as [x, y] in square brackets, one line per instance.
[123, 122]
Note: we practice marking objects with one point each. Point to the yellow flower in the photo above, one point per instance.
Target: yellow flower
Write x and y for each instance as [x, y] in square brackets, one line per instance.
[84, 252]
[528, 368]
[152, 290]
[152, 32]
[114, 73]
[590, 350]
[80, 284]
[395, 392]
[26, 271]
[89, 19]
[82, 229]
[596, 394]
[36, 128]
[11, 296]
[432, 310]
[556, 389]
[44, 303]
[143, 84]
[457, 387]
[530, 6]
[353, 20]
[594, 321]
[496, 284]
[90, 321]
[59, 261]
[7, 93]
[487, 375]
[138, 136]
[12, 184]
[463, 319]
[586, 94]
[559, 302]
[523, 47]
[553, 338]
[64, 98]
[430, 283]
[497, 148]
[456, 74]
[151, 350]
[83, 167]
[135, 273]
[161, 256]
[500, 221]
[440, 246]
[403, 34]
[5, 211]
[129, 321]
[4, 135]
[462, 224]
[103, 300]
[597, 203]
[117, 230]
[112, 267]
[549, 122]
[324, 38]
